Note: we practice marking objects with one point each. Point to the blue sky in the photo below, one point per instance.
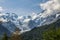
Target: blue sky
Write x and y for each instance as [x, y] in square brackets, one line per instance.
[21, 7]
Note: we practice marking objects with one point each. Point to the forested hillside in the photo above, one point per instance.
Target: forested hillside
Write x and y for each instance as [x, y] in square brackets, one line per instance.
[46, 32]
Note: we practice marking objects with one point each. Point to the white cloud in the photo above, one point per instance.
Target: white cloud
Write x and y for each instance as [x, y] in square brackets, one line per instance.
[51, 7]
[34, 15]
[1, 9]
[1, 14]
[27, 20]
[20, 17]
[3, 20]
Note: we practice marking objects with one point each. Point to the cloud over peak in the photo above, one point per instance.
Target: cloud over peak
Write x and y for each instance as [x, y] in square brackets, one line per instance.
[50, 7]
[1, 9]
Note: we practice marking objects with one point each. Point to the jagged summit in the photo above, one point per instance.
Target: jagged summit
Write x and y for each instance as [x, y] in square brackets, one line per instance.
[26, 23]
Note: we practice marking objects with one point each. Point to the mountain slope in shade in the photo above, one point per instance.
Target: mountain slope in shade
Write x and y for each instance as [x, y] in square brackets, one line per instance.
[36, 33]
[10, 26]
[4, 30]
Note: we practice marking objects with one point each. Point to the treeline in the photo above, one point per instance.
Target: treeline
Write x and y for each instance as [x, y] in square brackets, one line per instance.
[47, 32]
[51, 34]
[12, 37]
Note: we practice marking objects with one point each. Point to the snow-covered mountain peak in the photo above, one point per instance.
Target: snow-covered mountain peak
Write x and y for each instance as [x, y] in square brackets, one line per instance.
[51, 12]
[11, 21]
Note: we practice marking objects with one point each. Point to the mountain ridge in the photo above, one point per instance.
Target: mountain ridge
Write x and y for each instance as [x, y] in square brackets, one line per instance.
[37, 32]
[26, 23]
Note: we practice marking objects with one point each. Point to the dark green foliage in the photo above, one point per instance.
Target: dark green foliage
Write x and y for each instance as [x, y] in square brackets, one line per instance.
[15, 37]
[52, 34]
[5, 37]
[0, 38]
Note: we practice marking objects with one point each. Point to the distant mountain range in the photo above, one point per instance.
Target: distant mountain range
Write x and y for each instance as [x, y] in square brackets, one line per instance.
[10, 21]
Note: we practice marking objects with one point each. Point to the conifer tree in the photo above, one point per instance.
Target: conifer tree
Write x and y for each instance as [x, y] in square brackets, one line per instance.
[52, 34]
[5, 37]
